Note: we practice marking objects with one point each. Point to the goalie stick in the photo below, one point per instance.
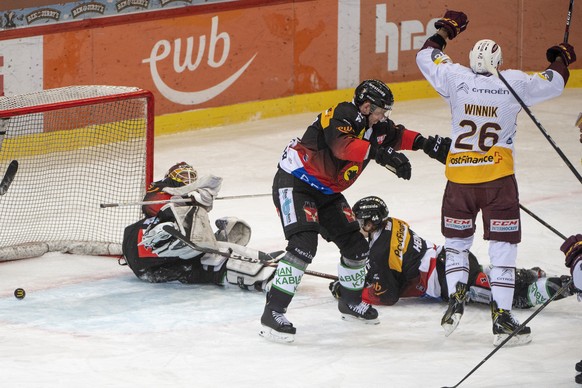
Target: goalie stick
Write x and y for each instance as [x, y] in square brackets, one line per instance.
[8, 177]
[547, 302]
[261, 257]
[177, 200]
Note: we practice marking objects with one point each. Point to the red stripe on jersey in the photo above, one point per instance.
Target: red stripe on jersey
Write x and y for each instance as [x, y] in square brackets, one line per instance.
[408, 137]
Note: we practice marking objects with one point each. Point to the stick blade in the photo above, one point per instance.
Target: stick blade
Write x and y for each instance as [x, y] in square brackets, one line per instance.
[8, 177]
[579, 121]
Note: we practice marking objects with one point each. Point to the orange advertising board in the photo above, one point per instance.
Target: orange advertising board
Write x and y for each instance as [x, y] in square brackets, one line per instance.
[204, 60]
[233, 53]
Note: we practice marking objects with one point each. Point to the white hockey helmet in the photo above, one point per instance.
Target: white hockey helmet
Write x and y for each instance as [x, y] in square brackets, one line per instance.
[486, 54]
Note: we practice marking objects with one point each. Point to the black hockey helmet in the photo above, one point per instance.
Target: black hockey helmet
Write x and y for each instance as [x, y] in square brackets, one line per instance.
[375, 91]
[181, 174]
[371, 209]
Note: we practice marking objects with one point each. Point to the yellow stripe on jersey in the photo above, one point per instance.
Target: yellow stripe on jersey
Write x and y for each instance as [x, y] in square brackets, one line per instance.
[398, 243]
[474, 167]
[326, 117]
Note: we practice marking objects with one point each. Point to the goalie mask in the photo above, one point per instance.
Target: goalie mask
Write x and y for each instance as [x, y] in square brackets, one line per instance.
[181, 174]
[371, 211]
[485, 55]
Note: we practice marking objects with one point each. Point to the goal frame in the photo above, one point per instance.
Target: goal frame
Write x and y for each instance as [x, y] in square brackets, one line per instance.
[29, 106]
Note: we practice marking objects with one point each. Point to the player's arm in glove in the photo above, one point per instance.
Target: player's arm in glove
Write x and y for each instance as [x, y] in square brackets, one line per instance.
[437, 147]
[564, 51]
[453, 23]
[572, 249]
[394, 161]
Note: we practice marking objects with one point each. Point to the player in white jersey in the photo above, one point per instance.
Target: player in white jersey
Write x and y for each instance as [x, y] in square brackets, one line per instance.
[479, 160]
[572, 249]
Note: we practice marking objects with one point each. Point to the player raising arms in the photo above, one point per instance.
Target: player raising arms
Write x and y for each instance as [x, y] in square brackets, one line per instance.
[479, 166]
[307, 192]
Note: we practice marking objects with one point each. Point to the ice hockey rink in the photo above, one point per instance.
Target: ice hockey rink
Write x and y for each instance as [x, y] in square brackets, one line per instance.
[86, 321]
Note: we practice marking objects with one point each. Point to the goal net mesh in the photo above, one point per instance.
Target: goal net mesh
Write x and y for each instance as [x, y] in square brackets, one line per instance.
[76, 147]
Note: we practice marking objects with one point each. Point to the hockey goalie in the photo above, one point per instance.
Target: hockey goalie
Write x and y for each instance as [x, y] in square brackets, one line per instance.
[156, 256]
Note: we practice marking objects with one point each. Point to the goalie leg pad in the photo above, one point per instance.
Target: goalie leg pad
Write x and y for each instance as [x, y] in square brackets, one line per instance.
[249, 275]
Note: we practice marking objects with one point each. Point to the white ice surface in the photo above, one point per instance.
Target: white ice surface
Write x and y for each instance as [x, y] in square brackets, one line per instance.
[88, 322]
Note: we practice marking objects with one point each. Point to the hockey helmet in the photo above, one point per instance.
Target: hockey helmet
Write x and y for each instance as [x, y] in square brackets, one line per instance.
[375, 91]
[371, 209]
[181, 174]
[485, 55]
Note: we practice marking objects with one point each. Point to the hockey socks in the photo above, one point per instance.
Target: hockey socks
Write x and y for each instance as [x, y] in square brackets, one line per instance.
[288, 275]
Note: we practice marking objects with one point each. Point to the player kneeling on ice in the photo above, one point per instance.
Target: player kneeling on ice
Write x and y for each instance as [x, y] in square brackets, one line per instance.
[156, 256]
[402, 264]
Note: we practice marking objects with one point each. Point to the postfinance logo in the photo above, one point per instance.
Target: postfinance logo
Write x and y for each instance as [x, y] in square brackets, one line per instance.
[164, 48]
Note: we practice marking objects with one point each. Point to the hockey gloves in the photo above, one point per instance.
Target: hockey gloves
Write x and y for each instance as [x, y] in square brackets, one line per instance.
[437, 148]
[572, 248]
[563, 50]
[394, 161]
[453, 22]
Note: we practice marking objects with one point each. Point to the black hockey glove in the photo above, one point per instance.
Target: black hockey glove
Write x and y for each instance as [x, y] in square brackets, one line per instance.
[394, 161]
[437, 148]
[418, 143]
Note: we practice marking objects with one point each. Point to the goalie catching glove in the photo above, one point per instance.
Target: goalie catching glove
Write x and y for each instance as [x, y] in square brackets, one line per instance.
[394, 161]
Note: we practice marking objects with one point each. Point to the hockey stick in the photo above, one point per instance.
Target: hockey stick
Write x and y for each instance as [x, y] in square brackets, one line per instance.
[568, 20]
[547, 302]
[177, 200]
[494, 71]
[261, 257]
[8, 177]
[541, 221]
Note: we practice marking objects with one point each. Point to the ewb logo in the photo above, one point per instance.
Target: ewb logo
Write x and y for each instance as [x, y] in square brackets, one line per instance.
[163, 49]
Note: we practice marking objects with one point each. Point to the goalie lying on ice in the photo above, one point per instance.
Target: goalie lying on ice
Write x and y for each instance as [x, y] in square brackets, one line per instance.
[155, 256]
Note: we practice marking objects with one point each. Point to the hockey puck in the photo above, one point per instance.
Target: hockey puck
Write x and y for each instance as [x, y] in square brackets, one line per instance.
[19, 293]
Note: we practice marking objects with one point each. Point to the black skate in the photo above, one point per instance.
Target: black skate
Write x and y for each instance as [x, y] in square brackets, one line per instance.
[276, 327]
[361, 312]
[579, 367]
[454, 312]
[504, 324]
[578, 378]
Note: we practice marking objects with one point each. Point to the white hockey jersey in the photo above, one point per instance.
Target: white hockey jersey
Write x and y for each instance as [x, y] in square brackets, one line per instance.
[484, 113]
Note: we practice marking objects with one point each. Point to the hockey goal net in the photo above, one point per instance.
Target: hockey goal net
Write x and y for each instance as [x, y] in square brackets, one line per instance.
[76, 147]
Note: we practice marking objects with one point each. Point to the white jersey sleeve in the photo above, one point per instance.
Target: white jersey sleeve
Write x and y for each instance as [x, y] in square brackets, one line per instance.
[484, 113]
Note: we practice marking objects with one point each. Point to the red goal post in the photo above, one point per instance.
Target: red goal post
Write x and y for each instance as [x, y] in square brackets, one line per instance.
[76, 147]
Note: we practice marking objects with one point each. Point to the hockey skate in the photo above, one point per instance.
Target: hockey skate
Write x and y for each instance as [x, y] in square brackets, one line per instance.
[276, 327]
[361, 312]
[579, 366]
[455, 310]
[504, 324]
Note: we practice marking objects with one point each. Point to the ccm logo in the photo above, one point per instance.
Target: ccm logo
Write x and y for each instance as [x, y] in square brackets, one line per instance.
[504, 225]
[457, 223]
